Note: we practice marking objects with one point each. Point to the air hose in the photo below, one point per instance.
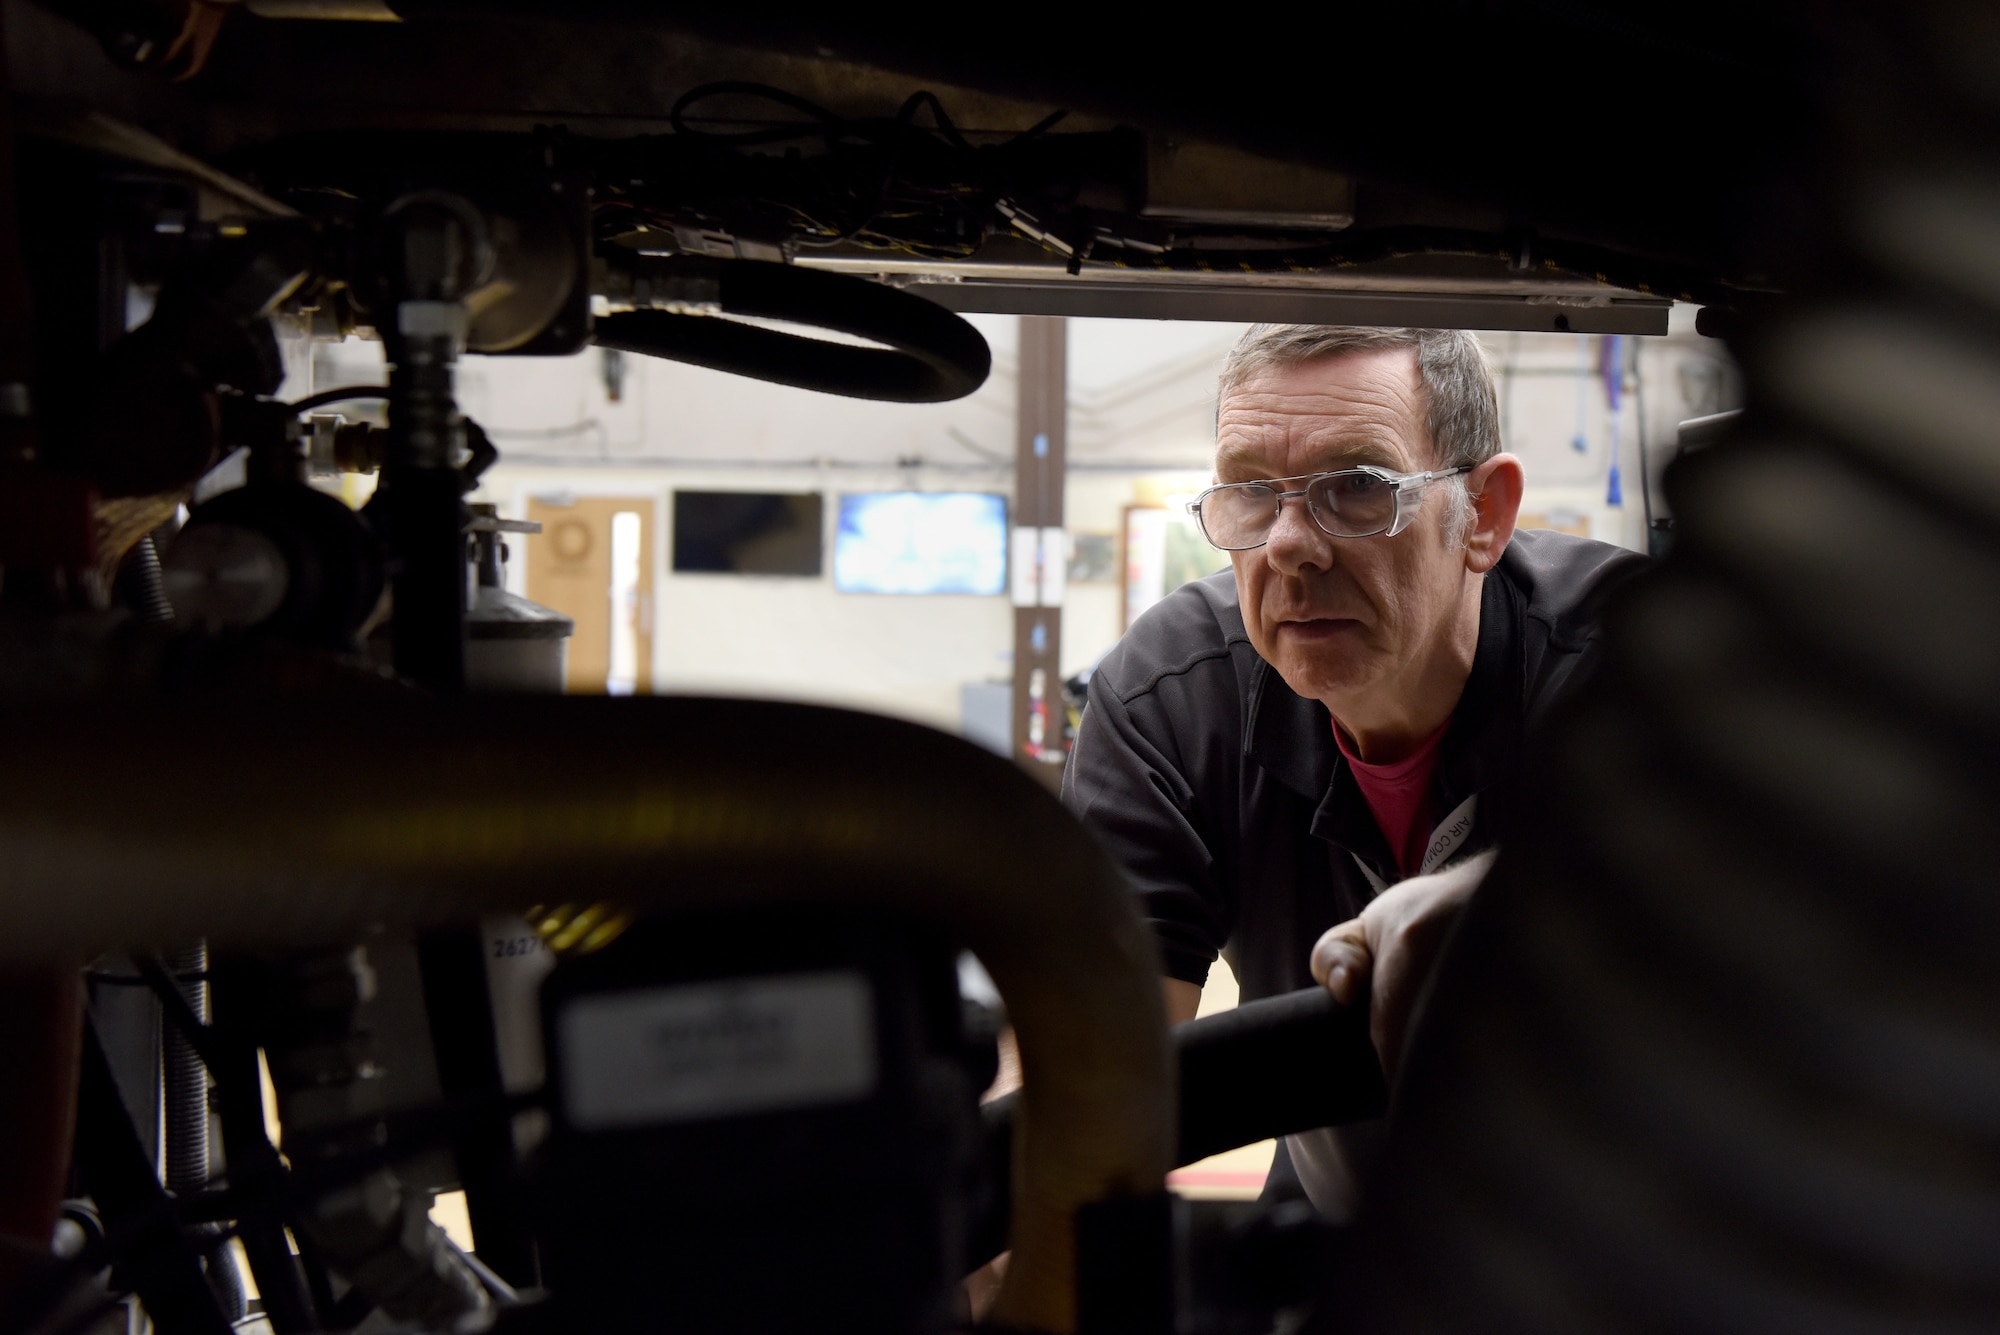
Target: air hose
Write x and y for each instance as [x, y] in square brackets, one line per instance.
[1267, 1068]
[926, 354]
[438, 812]
[1717, 1047]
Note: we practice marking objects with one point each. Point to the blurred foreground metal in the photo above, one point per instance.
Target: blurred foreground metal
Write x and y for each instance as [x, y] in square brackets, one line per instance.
[1718, 1047]
[434, 813]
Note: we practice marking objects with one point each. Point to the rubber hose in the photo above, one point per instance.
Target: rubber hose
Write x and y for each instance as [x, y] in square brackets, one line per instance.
[438, 812]
[254, 1165]
[1717, 1047]
[1267, 1068]
[929, 354]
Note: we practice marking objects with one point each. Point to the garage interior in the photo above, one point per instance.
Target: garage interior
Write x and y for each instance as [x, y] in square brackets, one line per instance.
[522, 522]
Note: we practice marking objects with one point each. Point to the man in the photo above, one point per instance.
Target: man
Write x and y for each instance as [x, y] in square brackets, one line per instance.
[1301, 762]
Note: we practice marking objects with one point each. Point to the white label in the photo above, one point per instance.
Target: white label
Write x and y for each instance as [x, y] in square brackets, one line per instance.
[1450, 834]
[1055, 566]
[720, 1049]
[516, 964]
[1038, 560]
[1025, 561]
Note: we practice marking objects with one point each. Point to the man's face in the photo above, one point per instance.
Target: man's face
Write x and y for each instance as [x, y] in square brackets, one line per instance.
[1343, 620]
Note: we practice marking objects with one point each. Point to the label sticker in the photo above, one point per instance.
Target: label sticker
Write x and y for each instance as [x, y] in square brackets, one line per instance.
[717, 1049]
[1450, 834]
[516, 964]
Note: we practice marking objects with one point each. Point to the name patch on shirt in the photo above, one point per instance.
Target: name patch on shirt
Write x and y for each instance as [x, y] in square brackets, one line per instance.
[1449, 836]
[1446, 840]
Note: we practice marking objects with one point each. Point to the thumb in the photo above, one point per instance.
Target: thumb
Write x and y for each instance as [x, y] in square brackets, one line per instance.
[1341, 962]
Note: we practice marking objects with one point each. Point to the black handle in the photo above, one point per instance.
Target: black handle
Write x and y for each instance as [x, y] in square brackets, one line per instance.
[1267, 1068]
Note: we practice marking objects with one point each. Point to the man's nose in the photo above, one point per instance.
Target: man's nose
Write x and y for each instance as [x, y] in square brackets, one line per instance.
[1297, 542]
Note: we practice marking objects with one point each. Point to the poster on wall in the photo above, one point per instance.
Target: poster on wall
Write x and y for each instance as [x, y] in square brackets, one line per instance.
[1093, 558]
[1164, 549]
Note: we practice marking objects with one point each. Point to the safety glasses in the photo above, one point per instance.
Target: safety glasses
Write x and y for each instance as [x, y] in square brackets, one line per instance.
[1350, 503]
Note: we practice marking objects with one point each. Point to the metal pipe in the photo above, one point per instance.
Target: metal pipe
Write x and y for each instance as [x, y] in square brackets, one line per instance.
[441, 251]
[435, 813]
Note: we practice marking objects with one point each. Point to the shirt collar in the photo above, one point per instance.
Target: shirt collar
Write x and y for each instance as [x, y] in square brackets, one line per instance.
[1291, 737]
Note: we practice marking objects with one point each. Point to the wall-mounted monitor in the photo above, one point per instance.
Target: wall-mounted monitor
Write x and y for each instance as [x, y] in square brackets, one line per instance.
[921, 542]
[748, 532]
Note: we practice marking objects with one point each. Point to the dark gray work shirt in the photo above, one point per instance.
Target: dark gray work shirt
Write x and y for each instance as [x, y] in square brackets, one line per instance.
[1225, 798]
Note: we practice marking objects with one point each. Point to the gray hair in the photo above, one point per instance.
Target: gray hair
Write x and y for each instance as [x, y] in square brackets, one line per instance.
[1462, 411]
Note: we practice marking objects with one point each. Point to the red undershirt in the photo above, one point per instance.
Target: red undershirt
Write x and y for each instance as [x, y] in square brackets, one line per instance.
[1399, 795]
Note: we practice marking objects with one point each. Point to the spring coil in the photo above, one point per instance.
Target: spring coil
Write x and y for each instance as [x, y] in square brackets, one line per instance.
[186, 1079]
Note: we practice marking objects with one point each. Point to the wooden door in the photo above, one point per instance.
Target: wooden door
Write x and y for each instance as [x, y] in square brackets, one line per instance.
[597, 570]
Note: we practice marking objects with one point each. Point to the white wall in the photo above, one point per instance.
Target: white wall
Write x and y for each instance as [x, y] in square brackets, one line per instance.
[1094, 502]
[1142, 395]
[800, 638]
[795, 637]
[1141, 430]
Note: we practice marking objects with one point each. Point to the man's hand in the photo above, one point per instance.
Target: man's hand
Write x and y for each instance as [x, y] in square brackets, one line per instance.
[1391, 946]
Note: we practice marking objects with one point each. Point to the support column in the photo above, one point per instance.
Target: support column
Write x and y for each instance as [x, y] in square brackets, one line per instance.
[1039, 546]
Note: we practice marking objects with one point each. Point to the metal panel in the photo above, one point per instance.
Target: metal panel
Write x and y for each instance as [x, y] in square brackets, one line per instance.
[1154, 300]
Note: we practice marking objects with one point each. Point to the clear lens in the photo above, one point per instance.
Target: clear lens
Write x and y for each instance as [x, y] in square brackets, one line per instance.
[1240, 516]
[1357, 503]
[1353, 505]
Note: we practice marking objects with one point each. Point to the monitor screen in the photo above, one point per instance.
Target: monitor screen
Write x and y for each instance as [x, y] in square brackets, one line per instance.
[921, 542]
[747, 532]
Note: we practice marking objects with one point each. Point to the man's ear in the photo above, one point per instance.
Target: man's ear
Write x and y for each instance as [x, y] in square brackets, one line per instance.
[1495, 487]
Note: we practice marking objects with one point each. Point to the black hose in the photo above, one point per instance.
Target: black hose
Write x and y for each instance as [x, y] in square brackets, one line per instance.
[165, 1267]
[1268, 1068]
[254, 1163]
[1273, 1067]
[339, 394]
[928, 354]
